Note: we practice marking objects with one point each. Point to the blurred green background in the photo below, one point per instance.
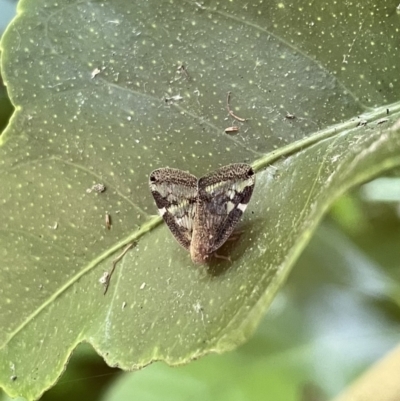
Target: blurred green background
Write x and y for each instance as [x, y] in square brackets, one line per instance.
[7, 12]
[337, 314]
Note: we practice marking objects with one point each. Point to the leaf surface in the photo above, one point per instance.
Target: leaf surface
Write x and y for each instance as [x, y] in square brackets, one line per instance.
[100, 99]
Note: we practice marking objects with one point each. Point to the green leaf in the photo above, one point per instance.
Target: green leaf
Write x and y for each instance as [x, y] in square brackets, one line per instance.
[99, 99]
[330, 302]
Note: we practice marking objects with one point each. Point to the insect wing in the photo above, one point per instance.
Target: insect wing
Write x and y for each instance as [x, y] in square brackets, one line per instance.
[175, 194]
[222, 198]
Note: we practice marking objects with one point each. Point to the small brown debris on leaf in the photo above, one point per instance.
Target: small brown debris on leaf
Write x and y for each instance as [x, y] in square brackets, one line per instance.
[228, 98]
[108, 221]
[106, 278]
[232, 129]
[99, 188]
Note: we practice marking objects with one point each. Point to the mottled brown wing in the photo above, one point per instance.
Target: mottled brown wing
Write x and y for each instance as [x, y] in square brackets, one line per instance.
[223, 197]
[175, 194]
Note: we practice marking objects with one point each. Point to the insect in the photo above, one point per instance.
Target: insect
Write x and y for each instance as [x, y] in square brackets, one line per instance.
[202, 213]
